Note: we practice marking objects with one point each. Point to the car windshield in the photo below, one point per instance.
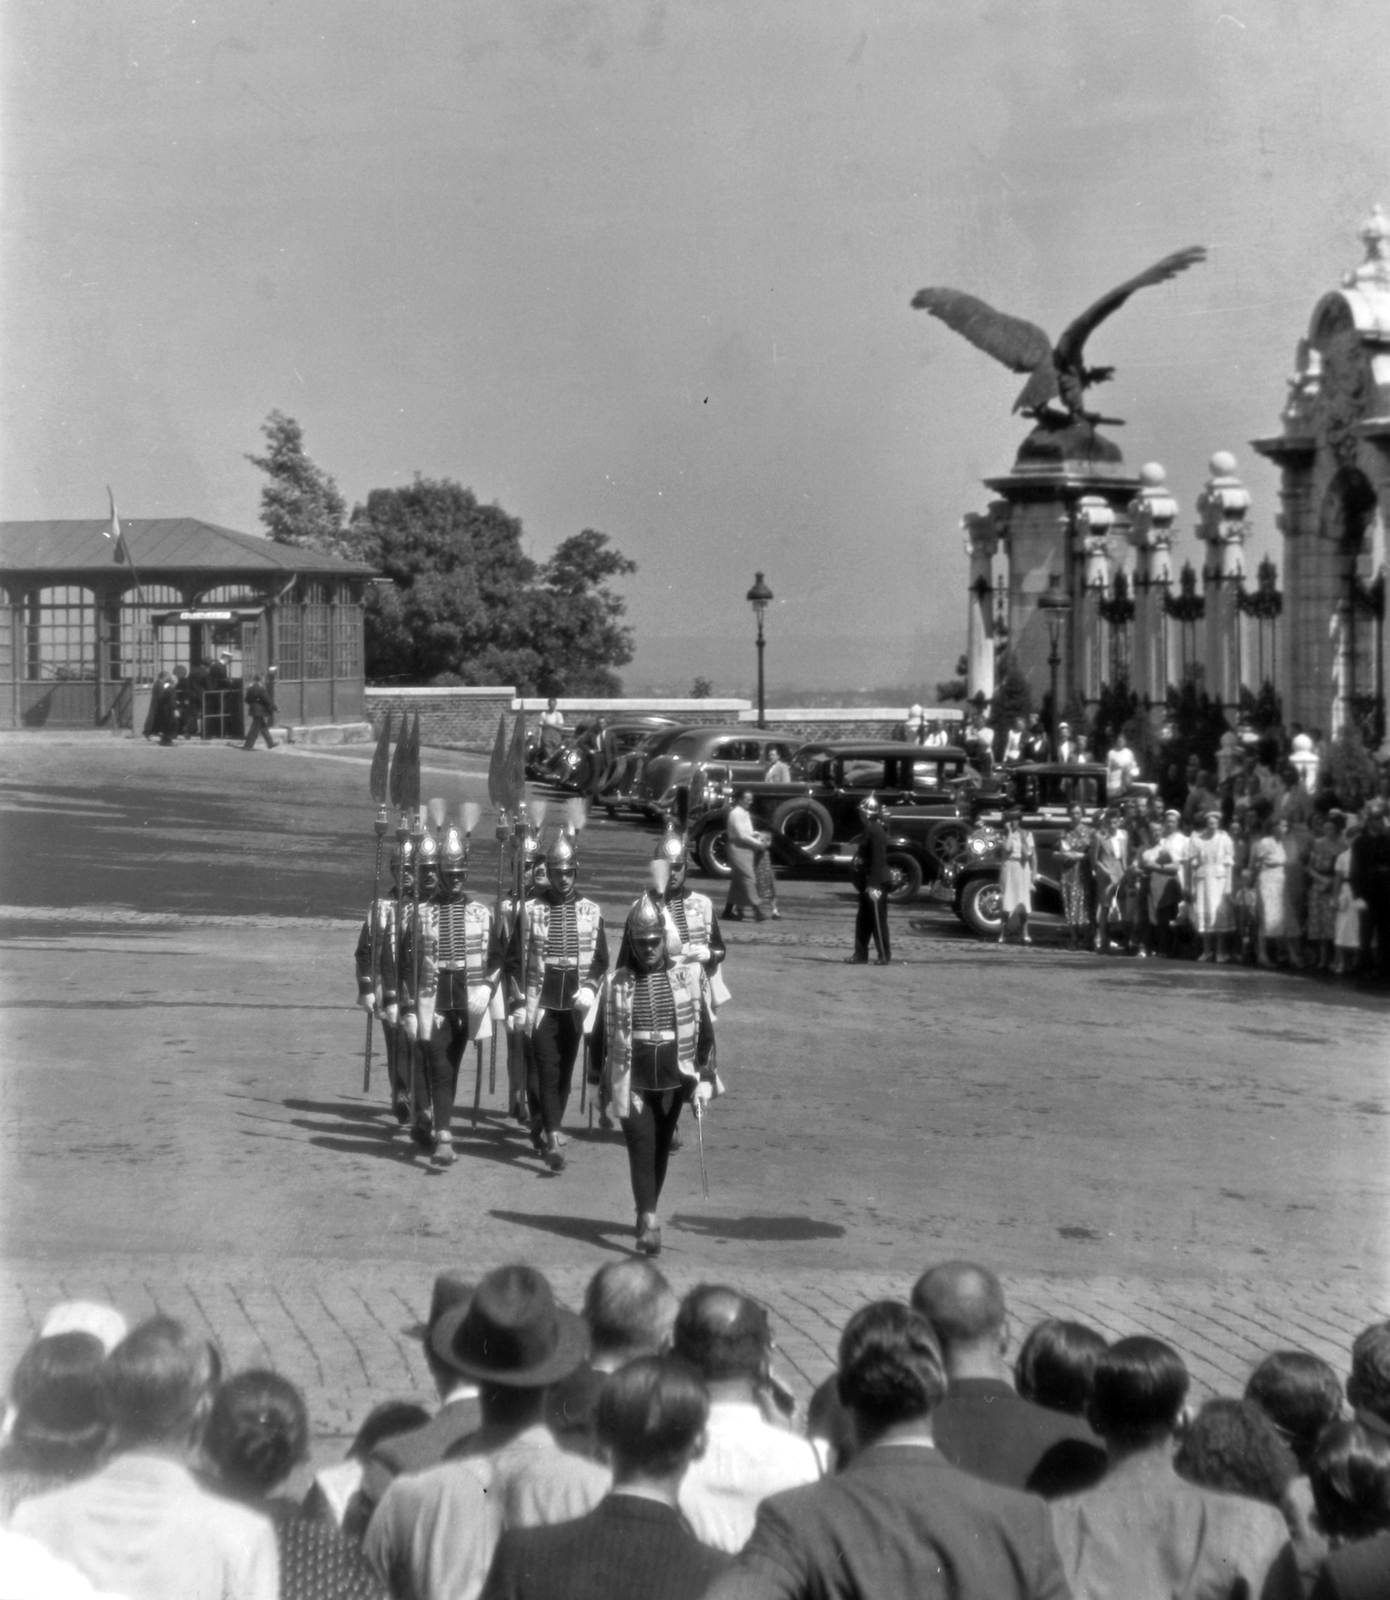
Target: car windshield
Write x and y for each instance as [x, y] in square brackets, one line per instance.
[625, 739]
[689, 742]
[810, 766]
[935, 775]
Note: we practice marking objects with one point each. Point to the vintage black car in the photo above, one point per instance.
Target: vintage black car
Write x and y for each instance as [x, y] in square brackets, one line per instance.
[591, 755]
[746, 752]
[1046, 791]
[814, 816]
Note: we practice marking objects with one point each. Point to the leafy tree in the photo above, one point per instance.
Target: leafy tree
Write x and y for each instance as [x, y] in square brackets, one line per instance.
[1012, 698]
[701, 689]
[1263, 711]
[950, 689]
[301, 504]
[573, 618]
[1117, 711]
[1351, 770]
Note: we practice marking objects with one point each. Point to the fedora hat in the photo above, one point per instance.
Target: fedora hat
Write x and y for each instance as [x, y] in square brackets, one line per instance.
[512, 1332]
[450, 1289]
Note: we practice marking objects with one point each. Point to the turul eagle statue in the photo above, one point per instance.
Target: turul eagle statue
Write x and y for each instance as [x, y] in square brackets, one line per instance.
[1057, 374]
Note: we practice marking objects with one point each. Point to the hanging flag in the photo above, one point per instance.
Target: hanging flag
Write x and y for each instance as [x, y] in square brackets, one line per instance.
[497, 768]
[381, 762]
[113, 532]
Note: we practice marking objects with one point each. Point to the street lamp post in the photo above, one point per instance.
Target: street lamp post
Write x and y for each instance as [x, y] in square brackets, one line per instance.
[1055, 604]
[759, 597]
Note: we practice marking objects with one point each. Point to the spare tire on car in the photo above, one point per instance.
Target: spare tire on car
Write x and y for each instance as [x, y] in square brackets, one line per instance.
[804, 824]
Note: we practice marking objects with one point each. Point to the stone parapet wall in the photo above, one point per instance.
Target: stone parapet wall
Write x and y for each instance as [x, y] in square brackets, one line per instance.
[697, 713]
[805, 724]
[456, 718]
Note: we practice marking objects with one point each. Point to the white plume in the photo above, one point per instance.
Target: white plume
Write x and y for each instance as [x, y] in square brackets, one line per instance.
[469, 812]
[576, 813]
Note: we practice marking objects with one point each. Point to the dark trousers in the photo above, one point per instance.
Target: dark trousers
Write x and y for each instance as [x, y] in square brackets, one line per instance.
[259, 728]
[871, 919]
[648, 1134]
[394, 1045]
[1376, 926]
[437, 1067]
[555, 1049]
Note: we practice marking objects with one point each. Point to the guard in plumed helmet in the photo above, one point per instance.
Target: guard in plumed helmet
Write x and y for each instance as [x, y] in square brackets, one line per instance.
[383, 1002]
[691, 912]
[458, 966]
[659, 1031]
[554, 992]
[872, 879]
[523, 1088]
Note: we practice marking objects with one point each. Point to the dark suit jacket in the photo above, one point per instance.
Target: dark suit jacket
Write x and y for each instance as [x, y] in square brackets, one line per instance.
[871, 859]
[899, 1523]
[991, 1432]
[1358, 1571]
[627, 1547]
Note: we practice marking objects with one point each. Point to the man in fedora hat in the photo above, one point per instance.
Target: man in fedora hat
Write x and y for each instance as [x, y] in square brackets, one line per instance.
[434, 1532]
[459, 1415]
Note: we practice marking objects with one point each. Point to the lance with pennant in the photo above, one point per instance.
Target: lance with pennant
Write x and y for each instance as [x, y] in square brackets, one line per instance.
[378, 780]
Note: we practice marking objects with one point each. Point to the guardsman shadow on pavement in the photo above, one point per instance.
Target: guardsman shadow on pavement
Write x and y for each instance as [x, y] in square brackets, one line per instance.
[605, 1232]
[759, 1229]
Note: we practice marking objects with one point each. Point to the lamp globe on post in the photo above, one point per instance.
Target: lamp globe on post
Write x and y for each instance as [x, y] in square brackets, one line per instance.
[1055, 605]
[760, 597]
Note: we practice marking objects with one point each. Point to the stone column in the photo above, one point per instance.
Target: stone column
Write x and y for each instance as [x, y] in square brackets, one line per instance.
[1152, 513]
[981, 543]
[1090, 523]
[1223, 525]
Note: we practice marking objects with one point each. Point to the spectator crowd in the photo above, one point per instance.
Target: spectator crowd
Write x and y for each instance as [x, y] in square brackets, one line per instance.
[647, 1446]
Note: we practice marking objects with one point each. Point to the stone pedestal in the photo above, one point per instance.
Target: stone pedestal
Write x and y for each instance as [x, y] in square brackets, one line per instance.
[1152, 514]
[1223, 509]
[981, 543]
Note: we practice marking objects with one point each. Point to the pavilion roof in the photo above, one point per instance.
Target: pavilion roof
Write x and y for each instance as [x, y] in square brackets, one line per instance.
[157, 544]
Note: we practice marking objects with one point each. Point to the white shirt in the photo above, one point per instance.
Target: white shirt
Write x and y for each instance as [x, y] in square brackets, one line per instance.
[1121, 769]
[746, 1459]
[143, 1528]
[552, 719]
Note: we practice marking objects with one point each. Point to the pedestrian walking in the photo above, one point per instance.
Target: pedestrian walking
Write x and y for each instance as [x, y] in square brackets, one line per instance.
[871, 879]
[260, 714]
[163, 716]
[745, 844]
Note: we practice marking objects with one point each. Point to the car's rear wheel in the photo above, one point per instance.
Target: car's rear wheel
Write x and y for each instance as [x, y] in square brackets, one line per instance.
[712, 848]
[981, 907]
[804, 824]
[906, 877]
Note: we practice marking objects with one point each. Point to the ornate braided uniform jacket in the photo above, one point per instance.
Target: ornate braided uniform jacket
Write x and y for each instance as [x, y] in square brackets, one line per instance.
[674, 999]
[566, 950]
[381, 923]
[692, 915]
[457, 961]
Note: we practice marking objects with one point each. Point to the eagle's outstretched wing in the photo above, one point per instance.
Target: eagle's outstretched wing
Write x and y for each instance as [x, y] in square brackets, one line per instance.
[1018, 344]
[1069, 346]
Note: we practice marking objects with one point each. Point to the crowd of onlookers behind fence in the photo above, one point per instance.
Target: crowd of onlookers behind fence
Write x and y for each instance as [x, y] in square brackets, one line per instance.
[648, 1446]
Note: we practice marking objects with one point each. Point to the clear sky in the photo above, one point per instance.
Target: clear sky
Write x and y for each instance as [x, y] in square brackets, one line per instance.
[645, 267]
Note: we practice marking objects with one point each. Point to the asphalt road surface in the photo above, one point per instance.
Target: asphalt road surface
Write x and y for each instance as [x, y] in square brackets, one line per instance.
[182, 1080]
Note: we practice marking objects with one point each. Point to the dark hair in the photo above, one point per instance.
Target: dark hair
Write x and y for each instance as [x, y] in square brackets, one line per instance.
[890, 1367]
[1300, 1394]
[722, 1333]
[1234, 1447]
[155, 1380]
[258, 1431]
[964, 1303]
[1368, 1387]
[1140, 1386]
[1056, 1367]
[386, 1421]
[826, 1419]
[1350, 1477]
[60, 1402]
[650, 1414]
[628, 1306]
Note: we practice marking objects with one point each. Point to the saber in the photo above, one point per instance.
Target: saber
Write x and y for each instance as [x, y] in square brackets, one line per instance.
[375, 925]
[700, 1131]
[478, 1082]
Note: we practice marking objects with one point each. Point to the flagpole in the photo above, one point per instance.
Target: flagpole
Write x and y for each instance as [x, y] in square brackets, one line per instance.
[123, 551]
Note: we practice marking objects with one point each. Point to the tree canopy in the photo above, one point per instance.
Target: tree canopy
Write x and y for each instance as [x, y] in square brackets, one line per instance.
[300, 505]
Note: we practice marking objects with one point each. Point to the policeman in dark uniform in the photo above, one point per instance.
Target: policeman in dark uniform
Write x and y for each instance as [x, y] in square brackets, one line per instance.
[872, 878]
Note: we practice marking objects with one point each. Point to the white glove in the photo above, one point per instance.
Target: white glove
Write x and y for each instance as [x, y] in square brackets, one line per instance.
[392, 1012]
[412, 1026]
[704, 1092]
[367, 1003]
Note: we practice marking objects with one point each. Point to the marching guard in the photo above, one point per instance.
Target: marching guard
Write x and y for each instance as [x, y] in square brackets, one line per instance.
[377, 991]
[557, 962]
[660, 1034]
[452, 950]
[523, 1090]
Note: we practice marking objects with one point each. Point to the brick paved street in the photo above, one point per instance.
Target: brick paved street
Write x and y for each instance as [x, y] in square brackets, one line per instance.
[1195, 1152]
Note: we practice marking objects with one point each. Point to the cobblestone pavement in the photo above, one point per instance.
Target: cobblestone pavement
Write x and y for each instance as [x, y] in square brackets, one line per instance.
[1195, 1152]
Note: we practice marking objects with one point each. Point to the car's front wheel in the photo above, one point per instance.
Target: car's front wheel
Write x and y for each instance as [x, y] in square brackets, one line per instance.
[981, 907]
[712, 848]
[905, 877]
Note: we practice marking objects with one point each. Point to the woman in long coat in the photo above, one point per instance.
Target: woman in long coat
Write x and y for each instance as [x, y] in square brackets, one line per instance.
[1019, 863]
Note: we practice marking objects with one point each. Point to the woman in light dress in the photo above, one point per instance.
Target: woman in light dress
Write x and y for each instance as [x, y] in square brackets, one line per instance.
[1166, 861]
[1347, 931]
[1322, 889]
[745, 844]
[1212, 867]
[1109, 856]
[1020, 862]
[1267, 861]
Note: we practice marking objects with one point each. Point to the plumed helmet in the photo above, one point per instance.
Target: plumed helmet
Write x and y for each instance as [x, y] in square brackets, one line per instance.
[671, 847]
[454, 855]
[404, 853]
[562, 852]
[646, 916]
[429, 851]
[871, 806]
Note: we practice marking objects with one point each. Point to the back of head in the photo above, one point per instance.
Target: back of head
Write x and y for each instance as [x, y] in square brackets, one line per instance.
[1232, 1446]
[59, 1401]
[1368, 1387]
[1300, 1394]
[1140, 1386]
[1350, 1477]
[157, 1380]
[257, 1433]
[1056, 1367]
[964, 1304]
[629, 1307]
[722, 1334]
[386, 1421]
[890, 1368]
[650, 1415]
